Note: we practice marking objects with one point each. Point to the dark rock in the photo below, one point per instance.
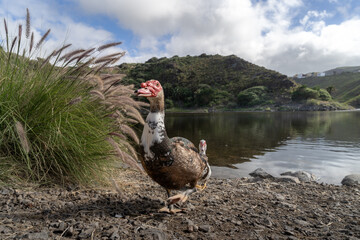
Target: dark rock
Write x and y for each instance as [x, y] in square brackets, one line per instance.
[260, 173]
[351, 180]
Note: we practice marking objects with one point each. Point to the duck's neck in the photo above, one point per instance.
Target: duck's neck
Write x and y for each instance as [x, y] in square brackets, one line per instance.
[154, 132]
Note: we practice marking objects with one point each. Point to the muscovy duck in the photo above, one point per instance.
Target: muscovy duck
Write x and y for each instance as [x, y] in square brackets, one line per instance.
[174, 163]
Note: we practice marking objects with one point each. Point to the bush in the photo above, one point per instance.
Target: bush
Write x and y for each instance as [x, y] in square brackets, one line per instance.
[204, 95]
[303, 93]
[252, 96]
[56, 125]
[324, 95]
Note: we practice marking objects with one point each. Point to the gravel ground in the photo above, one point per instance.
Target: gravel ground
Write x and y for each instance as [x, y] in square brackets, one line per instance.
[226, 209]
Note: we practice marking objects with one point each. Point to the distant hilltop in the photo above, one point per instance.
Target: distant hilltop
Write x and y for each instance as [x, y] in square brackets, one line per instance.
[331, 72]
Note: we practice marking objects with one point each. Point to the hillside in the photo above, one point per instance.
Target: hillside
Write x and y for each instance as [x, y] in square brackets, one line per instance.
[210, 80]
[339, 70]
[225, 82]
[346, 84]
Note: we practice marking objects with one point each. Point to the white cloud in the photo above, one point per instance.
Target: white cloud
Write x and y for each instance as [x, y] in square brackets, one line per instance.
[274, 33]
[263, 33]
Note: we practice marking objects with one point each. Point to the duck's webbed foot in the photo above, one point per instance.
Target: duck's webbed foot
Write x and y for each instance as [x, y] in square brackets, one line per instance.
[171, 209]
[182, 197]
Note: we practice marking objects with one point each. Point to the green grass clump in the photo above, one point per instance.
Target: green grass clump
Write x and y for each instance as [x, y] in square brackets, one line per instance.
[59, 121]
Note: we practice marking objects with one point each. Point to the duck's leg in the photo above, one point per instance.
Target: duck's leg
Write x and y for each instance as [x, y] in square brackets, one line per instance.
[167, 208]
[201, 187]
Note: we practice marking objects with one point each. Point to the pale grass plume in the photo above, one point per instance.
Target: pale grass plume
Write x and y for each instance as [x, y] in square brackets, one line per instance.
[85, 54]
[129, 132]
[22, 136]
[137, 116]
[47, 59]
[70, 54]
[31, 42]
[62, 49]
[6, 28]
[27, 32]
[97, 81]
[117, 135]
[43, 38]
[109, 57]
[97, 93]
[126, 158]
[108, 45]
[12, 45]
[75, 101]
[19, 34]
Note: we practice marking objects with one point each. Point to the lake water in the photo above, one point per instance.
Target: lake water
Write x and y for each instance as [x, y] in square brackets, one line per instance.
[326, 144]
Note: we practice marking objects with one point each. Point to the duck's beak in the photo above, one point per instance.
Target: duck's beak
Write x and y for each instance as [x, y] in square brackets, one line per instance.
[143, 92]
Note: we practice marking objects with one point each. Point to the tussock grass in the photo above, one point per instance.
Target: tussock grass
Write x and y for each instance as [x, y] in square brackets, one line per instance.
[60, 121]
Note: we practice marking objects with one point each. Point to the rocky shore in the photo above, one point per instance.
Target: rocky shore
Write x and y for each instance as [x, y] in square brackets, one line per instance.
[247, 208]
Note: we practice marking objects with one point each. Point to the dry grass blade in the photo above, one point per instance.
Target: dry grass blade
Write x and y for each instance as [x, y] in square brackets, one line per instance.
[43, 38]
[130, 132]
[22, 136]
[27, 32]
[108, 45]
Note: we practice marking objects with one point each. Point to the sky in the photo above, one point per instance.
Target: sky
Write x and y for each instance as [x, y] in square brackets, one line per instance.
[288, 36]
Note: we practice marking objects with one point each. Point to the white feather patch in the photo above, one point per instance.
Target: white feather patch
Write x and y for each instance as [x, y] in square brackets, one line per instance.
[153, 132]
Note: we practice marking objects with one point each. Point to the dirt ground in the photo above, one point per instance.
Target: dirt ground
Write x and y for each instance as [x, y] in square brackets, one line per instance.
[244, 208]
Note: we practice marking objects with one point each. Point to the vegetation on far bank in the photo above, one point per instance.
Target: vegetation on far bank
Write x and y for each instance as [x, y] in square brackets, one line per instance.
[222, 82]
[344, 86]
[59, 120]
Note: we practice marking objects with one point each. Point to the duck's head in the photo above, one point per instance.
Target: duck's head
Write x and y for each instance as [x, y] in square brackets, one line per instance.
[202, 147]
[150, 89]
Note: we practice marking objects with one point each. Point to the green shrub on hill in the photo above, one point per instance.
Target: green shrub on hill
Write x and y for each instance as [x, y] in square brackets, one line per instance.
[253, 96]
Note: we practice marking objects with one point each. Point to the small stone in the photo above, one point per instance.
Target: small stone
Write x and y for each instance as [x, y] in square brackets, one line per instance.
[301, 175]
[38, 235]
[115, 235]
[86, 233]
[205, 228]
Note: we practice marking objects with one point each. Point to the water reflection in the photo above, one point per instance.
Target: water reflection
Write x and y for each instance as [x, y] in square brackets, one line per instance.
[325, 143]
